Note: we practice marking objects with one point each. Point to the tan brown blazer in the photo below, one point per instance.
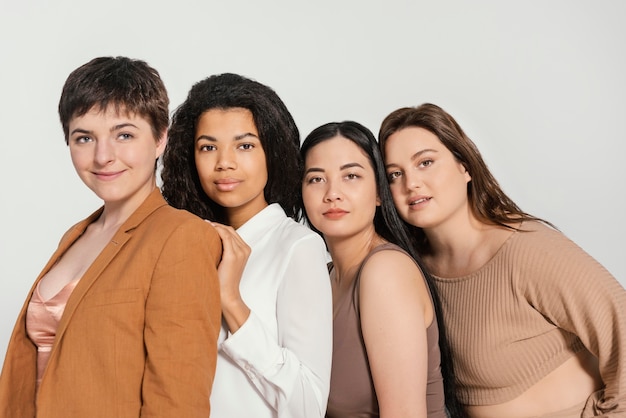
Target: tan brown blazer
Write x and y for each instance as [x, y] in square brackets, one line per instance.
[138, 335]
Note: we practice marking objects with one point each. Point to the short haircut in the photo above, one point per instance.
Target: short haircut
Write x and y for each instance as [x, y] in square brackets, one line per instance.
[129, 85]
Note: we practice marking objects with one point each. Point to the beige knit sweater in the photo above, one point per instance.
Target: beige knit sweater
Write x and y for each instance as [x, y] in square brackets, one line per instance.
[537, 302]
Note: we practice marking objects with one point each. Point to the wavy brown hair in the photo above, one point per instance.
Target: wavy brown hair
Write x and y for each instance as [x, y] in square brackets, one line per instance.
[487, 200]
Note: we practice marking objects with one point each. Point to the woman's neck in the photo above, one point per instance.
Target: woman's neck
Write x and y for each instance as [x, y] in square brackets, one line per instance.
[115, 214]
[347, 253]
[462, 247]
[236, 217]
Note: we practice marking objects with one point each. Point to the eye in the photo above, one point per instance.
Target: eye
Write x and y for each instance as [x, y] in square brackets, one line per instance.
[352, 176]
[246, 146]
[124, 136]
[314, 179]
[207, 147]
[82, 139]
[426, 163]
[394, 175]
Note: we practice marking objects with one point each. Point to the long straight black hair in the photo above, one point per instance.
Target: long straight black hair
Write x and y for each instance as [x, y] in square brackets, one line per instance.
[388, 225]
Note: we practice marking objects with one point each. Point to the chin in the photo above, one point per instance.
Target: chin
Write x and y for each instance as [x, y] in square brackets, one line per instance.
[416, 222]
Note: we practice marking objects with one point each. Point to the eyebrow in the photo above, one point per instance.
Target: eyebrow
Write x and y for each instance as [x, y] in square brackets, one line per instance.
[414, 156]
[343, 167]
[237, 137]
[123, 125]
[350, 165]
[113, 128]
[314, 170]
[80, 131]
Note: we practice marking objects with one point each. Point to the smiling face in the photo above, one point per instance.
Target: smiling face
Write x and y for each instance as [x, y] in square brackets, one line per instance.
[231, 162]
[428, 185]
[339, 188]
[114, 154]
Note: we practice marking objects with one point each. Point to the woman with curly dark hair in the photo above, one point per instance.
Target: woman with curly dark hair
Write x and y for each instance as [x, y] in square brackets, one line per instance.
[233, 158]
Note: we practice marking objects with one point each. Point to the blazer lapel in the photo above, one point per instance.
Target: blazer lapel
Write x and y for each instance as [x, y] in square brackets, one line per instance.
[66, 242]
[121, 237]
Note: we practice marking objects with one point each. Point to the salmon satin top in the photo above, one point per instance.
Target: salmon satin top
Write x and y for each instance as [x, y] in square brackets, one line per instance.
[42, 321]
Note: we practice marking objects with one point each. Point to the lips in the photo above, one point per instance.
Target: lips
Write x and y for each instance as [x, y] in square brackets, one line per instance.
[418, 200]
[226, 185]
[106, 176]
[335, 213]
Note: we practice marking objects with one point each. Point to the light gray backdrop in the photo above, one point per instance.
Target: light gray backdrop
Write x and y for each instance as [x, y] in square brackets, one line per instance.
[539, 85]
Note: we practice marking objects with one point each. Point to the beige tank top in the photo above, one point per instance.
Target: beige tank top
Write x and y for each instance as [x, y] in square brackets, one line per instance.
[352, 393]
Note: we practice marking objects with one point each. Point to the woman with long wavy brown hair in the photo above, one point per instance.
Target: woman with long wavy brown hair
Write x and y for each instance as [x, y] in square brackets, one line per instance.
[536, 326]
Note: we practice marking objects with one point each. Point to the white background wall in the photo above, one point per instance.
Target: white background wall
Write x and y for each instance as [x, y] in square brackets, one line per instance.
[540, 86]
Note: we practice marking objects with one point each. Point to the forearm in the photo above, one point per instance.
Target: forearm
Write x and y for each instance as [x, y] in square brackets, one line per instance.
[287, 384]
[234, 310]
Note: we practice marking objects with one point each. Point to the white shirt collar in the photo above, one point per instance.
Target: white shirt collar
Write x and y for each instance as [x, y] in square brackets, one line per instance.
[261, 224]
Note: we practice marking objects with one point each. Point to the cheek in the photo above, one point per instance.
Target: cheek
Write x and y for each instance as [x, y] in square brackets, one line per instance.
[306, 198]
[202, 165]
[369, 199]
[396, 194]
[79, 158]
[260, 168]
[262, 173]
[456, 182]
[144, 157]
[310, 198]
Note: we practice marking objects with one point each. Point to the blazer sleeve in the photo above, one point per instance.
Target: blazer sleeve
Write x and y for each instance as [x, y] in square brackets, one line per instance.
[182, 323]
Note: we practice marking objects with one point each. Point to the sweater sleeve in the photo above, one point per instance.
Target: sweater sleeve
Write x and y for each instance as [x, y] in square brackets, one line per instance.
[574, 292]
[293, 373]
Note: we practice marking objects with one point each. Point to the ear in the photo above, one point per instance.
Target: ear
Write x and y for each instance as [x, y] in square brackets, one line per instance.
[465, 173]
[378, 202]
[161, 143]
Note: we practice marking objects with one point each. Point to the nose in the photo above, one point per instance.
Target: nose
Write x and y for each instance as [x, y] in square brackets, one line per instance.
[412, 180]
[332, 193]
[225, 160]
[105, 152]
